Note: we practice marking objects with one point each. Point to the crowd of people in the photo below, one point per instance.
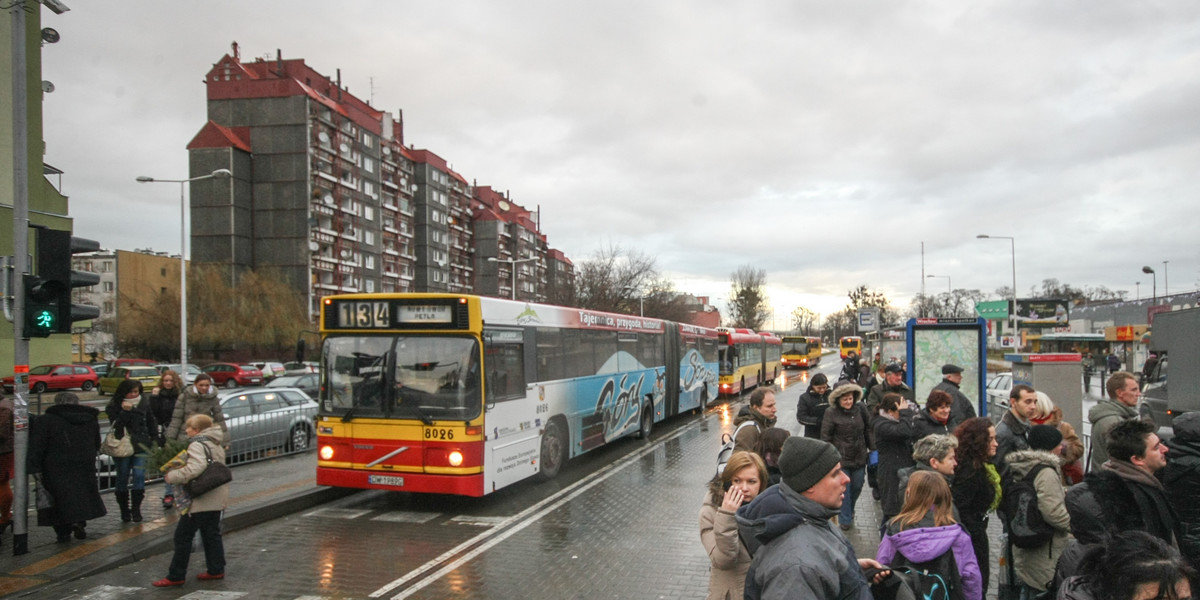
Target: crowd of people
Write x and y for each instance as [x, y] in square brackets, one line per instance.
[1117, 522]
[65, 440]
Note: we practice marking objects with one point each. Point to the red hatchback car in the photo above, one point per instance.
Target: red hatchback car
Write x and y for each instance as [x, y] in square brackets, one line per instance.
[57, 377]
[231, 375]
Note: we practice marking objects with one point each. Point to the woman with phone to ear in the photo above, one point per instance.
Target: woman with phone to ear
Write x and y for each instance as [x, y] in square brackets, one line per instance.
[744, 477]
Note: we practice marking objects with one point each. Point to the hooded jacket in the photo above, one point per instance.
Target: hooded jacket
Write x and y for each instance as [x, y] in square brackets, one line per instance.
[63, 443]
[197, 460]
[810, 411]
[848, 429]
[728, 557]
[1104, 416]
[1181, 481]
[192, 402]
[1035, 566]
[797, 551]
[925, 542]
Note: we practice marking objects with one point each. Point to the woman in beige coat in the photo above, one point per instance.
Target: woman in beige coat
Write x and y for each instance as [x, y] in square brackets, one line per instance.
[203, 513]
[745, 475]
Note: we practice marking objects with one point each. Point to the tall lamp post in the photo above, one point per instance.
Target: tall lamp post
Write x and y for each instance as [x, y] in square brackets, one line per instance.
[512, 269]
[1012, 315]
[1139, 290]
[218, 174]
[641, 299]
[1166, 280]
[1147, 269]
[947, 277]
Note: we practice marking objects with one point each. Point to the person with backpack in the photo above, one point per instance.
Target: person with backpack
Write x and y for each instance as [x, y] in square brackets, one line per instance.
[926, 542]
[1035, 510]
[847, 427]
[744, 477]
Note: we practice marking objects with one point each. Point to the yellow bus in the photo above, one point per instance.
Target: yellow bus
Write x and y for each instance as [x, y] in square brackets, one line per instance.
[850, 343]
[801, 351]
[460, 394]
[747, 359]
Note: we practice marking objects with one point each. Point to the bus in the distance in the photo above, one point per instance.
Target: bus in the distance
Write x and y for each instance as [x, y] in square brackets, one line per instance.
[800, 351]
[748, 359]
[460, 394]
[850, 343]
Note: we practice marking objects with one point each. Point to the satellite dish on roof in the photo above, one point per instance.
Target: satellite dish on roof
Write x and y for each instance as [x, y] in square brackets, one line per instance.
[47, 87]
[414, 187]
[314, 246]
[387, 151]
[323, 137]
[329, 199]
[347, 253]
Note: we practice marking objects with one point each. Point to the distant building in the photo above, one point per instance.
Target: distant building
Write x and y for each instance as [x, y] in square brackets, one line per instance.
[130, 283]
[325, 192]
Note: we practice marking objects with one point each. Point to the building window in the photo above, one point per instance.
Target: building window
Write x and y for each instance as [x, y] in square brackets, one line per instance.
[163, 271]
[108, 286]
[369, 263]
[108, 308]
[368, 165]
[368, 213]
[368, 237]
[370, 286]
[106, 266]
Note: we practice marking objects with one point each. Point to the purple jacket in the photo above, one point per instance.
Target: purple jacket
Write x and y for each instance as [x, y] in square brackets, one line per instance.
[927, 543]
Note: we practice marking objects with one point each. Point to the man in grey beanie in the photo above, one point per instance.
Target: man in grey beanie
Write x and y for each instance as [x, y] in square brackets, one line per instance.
[797, 552]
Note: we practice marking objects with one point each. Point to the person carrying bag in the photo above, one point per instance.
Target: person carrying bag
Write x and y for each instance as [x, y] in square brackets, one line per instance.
[202, 476]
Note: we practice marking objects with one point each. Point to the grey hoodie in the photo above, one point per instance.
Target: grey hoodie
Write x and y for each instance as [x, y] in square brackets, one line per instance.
[1103, 417]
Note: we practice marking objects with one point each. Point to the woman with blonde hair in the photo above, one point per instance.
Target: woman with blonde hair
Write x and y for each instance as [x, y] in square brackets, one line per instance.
[925, 536]
[744, 477]
[1049, 414]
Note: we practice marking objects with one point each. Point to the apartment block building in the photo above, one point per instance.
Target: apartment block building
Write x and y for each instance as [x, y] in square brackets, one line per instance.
[130, 283]
[325, 192]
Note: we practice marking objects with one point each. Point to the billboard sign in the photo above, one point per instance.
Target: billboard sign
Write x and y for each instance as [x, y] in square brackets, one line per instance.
[1042, 313]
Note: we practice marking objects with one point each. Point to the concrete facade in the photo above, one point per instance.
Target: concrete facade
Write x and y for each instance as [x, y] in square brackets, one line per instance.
[325, 191]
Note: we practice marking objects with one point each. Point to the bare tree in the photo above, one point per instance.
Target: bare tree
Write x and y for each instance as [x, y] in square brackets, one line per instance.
[613, 278]
[805, 321]
[748, 298]
[864, 297]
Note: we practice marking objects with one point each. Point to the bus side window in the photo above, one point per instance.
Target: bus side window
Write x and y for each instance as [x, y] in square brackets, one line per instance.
[505, 369]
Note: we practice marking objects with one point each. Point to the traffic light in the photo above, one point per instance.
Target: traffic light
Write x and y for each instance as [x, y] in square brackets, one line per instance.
[48, 306]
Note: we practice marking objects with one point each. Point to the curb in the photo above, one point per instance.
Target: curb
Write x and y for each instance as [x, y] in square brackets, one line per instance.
[161, 540]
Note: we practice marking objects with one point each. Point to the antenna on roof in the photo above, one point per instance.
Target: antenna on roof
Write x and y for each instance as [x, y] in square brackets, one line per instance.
[371, 96]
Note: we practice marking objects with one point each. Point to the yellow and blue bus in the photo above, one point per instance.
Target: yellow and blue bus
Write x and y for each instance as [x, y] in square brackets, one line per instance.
[748, 359]
[801, 351]
[460, 394]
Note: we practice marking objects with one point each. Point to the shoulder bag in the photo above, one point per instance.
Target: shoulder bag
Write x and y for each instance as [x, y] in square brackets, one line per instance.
[117, 448]
[214, 475]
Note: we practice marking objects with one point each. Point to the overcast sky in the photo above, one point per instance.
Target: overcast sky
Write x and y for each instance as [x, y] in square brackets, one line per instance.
[820, 141]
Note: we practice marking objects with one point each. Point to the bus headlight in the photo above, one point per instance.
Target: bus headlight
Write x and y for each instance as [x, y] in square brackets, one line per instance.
[326, 453]
[456, 458]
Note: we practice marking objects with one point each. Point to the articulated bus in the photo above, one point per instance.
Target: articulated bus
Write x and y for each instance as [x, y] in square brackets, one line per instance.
[801, 351]
[850, 343]
[459, 394]
[748, 359]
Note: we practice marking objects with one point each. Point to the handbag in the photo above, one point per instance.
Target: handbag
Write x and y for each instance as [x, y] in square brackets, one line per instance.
[44, 499]
[117, 448]
[214, 475]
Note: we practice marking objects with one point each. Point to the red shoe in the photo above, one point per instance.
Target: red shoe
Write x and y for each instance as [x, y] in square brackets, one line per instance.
[206, 576]
[164, 582]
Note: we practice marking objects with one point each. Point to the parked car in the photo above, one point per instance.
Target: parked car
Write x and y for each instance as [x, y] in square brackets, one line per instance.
[998, 388]
[300, 368]
[233, 375]
[101, 369]
[265, 419]
[129, 362]
[270, 370]
[56, 377]
[192, 371]
[147, 375]
[309, 383]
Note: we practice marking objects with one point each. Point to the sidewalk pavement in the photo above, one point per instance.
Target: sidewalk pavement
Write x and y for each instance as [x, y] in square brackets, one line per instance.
[261, 491]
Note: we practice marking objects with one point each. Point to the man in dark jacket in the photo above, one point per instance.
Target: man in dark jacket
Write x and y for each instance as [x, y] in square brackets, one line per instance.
[810, 410]
[797, 551]
[762, 412]
[1181, 481]
[962, 408]
[1125, 495]
[893, 382]
[1013, 430]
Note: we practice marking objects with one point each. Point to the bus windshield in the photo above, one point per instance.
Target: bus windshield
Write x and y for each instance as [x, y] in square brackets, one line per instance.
[793, 345]
[423, 377]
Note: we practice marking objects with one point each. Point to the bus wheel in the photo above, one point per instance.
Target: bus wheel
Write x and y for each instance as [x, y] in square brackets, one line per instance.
[647, 424]
[554, 449]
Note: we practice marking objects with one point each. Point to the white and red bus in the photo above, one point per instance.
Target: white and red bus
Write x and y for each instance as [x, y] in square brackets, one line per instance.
[748, 359]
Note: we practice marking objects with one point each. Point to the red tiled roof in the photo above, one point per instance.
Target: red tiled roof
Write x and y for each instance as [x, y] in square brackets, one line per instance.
[219, 136]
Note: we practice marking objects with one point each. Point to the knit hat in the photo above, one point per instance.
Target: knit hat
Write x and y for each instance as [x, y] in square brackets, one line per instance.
[818, 379]
[1044, 437]
[805, 461]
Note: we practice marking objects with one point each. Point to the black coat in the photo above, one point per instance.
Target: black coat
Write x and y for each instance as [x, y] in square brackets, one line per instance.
[810, 412]
[893, 440]
[63, 444]
[162, 405]
[962, 409]
[924, 424]
[1108, 504]
[139, 422]
[1011, 435]
[1181, 480]
[849, 432]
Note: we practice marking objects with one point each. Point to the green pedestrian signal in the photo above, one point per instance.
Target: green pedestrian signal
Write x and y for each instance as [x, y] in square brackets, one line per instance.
[44, 319]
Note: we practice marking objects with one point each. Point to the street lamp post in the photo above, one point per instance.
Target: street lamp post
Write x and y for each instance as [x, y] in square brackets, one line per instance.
[1138, 295]
[1012, 315]
[1147, 269]
[641, 299]
[512, 269]
[218, 174]
[947, 277]
[1166, 280]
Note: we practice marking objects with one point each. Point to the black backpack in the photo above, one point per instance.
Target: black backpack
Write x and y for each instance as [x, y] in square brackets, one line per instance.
[1019, 503]
[936, 579]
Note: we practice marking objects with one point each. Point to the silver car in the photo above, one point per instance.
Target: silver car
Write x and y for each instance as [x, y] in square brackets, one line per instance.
[267, 421]
[998, 387]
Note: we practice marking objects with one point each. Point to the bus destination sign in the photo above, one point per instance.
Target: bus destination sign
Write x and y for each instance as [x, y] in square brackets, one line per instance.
[425, 313]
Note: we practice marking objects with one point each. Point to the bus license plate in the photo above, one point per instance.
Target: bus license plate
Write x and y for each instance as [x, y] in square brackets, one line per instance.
[385, 480]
